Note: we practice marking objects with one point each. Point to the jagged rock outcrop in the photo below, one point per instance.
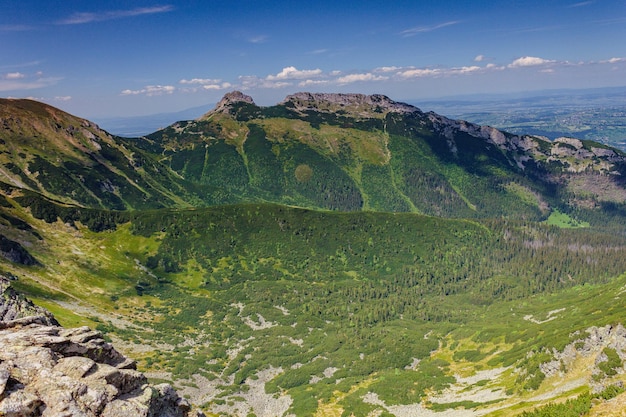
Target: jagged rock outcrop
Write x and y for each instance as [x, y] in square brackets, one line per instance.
[47, 370]
[358, 104]
[15, 308]
[572, 155]
[593, 345]
[229, 99]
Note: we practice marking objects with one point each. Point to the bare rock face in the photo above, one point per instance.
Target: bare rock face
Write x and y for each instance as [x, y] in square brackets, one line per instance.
[47, 370]
[14, 307]
[231, 98]
[361, 104]
[593, 345]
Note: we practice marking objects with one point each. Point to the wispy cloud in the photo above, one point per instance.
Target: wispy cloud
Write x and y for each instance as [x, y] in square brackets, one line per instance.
[247, 82]
[150, 90]
[423, 29]
[201, 81]
[614, 60]
[387, 69]
[418, 72]
[14, 76]
[353, 78]
[21, 65]
[17, 81]
[258, 39]
[291, 77]
[220, 86]
[88, 17]
[198, 84]
[529, 61]
[536, 29]
[581, 4]
[311, 83]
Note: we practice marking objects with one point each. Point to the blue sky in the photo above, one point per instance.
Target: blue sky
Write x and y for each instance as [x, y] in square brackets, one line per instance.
[126, 58]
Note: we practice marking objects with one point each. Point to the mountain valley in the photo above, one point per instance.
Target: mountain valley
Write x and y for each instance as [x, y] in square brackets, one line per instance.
[334, 254]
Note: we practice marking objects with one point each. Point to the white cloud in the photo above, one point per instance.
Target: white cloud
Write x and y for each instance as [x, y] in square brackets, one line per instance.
[353, 78]
[581, 4]
[62, 98]
[151, 90]
[464, 70]
[408, 73]
[15, 82]
[203, 84]
[222, 86]
[88, 17]
[201, 81]
[307, 83]
[422, 29]
[291, 77]
[529, 61]
[14, 76]
[387, 69]
[258, 39]
[292, 73]
[613, 61]
[419, 73]
[247, 82]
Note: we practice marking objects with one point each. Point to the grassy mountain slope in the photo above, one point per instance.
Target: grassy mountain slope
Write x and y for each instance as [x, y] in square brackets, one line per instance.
[330, 255]
[71, 160]
[318, 311]
[342, 152]
[334, 151]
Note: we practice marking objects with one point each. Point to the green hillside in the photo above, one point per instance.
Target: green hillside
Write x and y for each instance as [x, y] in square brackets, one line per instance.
[392, 158]
[333, 255]
[327, 309]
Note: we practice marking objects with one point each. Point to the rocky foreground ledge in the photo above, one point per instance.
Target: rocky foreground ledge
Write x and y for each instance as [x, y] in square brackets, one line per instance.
[47, 370]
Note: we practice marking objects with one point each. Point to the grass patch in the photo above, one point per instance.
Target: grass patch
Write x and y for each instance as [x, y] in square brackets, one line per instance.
[563, 220]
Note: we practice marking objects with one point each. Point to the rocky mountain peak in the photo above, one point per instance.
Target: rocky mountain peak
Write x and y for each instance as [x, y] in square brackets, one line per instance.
[230, 99]
[361, 104]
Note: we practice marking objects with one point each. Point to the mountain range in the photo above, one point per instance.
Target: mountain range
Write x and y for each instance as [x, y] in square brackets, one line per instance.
[333, 254]
[323, 151]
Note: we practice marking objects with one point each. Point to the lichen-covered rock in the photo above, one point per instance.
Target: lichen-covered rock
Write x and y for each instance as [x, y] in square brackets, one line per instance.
[46, 370]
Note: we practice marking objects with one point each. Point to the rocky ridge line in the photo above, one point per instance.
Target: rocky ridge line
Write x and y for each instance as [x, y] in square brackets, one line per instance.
[573, 155]
[367, 104]
[47, 370]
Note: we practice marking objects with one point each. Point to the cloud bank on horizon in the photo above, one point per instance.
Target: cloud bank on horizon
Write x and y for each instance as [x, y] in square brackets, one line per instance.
[113, 60]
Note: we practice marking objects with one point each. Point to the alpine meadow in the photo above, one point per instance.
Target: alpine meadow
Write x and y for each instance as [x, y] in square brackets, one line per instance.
[330, 255]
